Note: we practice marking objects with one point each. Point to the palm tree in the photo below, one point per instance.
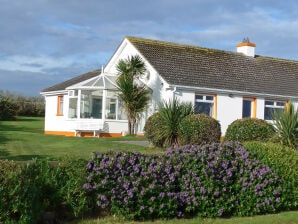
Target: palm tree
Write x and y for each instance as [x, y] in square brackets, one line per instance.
[132, 92]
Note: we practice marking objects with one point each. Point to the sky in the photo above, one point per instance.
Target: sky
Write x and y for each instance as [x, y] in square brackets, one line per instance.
[45, 42]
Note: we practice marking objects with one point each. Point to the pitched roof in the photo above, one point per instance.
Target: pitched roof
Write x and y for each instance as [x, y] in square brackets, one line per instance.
[210, 68]
[70, 82]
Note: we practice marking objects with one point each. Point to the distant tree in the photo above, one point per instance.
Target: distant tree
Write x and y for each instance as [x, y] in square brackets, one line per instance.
[8, 109]
[133, 93]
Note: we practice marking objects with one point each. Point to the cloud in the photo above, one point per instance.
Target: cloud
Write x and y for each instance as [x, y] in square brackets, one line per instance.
[52, 37]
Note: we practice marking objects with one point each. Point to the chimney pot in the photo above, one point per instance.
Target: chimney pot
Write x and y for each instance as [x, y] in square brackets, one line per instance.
[246, 47]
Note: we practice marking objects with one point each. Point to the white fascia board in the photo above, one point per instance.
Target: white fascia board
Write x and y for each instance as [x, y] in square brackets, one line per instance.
[52, 93]
[234, 92]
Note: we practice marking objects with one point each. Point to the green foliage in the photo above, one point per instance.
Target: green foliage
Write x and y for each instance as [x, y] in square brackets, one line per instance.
[171, 114]
[249, 129]
[153, 124]
[211, 181]
[24, 105]
[132, 92]
[286, 125]
[8, 109]
[284, 162]
[199, 129]
[28, 191]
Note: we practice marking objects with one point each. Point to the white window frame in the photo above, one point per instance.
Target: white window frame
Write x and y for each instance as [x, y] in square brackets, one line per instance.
[205, 100]
[274, 106]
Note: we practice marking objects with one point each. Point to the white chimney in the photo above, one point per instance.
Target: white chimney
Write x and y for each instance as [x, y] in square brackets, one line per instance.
[246, 47]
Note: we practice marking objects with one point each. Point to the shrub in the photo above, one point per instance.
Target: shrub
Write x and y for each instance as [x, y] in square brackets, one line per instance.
[284, 162]
[286, 125]
[8, 109]
[152, 127]
[249, 129]
[214, 180]
[28, 191]
[199, 129]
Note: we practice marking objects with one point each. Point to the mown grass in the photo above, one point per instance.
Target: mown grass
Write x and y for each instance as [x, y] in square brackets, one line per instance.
[24, 139]
[281, 218]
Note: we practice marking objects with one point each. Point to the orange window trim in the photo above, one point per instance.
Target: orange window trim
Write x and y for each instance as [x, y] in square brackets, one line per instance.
[254, 113]
[59, 109]
[215, 107]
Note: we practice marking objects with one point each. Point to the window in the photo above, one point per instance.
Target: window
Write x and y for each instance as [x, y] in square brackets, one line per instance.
[204, 104]
[271, 106]
[60, 102]
[111, 108]
[248, 107]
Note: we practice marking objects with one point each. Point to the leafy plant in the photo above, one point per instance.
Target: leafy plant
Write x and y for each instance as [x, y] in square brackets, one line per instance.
[286, 125]
[132, 92]
[249, 129]
[211, 181]
[199, 129]
[284, 162]
[171, 114]
[152, 127]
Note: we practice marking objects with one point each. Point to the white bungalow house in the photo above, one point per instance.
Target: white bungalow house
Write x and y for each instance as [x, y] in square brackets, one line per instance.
[225, 85]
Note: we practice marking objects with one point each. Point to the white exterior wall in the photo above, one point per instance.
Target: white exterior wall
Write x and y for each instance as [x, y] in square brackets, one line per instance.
[229, 109]
[260, 108]
[52, 121]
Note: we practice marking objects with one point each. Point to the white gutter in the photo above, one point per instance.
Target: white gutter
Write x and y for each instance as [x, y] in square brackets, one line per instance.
[233, 92]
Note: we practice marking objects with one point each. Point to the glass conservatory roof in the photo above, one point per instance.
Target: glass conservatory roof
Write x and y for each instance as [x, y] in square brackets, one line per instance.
[102, 81]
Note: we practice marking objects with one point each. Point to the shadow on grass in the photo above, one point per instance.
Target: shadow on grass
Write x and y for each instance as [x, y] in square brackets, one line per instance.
[22, 157]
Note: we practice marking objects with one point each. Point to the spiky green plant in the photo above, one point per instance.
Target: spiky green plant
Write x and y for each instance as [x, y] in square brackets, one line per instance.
[286, 125]
[132, 92]
[171, 113]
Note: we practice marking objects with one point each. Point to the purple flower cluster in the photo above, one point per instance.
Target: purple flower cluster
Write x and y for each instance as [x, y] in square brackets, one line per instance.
[215, 180]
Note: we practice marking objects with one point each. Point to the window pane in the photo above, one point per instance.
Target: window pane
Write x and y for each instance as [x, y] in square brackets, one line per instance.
[209, 98]
[269, 103]
[121, 115]
[110, 109]
[246, 108]
[91, 104]
[204, 108]
[281, 104]
[72, 110]
[199, 97]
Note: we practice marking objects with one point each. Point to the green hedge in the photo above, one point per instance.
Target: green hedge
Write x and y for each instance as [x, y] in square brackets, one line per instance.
[210, 181]
[199, 129]
[152, 133]
[28, 191]
[284, 162]
[249, 129]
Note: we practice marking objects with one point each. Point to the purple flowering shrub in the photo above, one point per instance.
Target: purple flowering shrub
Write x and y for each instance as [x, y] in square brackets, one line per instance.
[210, 181]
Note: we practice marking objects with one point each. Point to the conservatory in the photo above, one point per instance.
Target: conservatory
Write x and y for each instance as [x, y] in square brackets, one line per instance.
[94, 106]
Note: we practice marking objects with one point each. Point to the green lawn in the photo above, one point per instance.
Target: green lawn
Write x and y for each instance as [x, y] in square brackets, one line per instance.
[24, 139]
[281, 218]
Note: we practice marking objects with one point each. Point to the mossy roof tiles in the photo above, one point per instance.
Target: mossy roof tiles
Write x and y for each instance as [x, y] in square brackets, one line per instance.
[210, 68]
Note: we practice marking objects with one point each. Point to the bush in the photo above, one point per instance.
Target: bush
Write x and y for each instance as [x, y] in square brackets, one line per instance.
[28, 191]
[249, 129]
[199, 129]
[8, 109]
[284, 162]
[214, 180]
[153, 124]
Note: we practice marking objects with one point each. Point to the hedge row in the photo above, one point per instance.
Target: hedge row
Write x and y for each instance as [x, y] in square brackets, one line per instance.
[41, 190]
[210, 181]
[284, 162]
